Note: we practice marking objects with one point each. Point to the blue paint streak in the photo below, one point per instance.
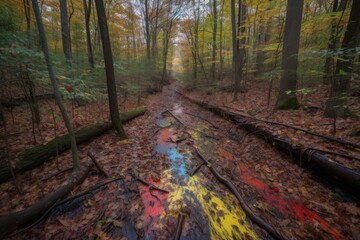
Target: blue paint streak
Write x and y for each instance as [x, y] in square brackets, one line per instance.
[178, 167]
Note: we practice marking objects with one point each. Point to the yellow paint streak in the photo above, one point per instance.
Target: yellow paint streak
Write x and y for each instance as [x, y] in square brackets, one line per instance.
[226, 219]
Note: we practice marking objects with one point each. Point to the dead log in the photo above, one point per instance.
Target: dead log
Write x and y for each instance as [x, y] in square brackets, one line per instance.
[12, 221]
[338, 174]
[33, 157]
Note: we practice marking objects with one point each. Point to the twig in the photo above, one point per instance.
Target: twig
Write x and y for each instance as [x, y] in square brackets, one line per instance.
[195, 170]
[244, 206]
[155, 132]
[90, 190]
[101, 170]
[176, 118]
[151, 186]
[204, 119]
[179, 226]
[57, 173]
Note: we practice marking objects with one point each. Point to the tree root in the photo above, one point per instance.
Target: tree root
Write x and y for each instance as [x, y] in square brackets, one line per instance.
[243, 205]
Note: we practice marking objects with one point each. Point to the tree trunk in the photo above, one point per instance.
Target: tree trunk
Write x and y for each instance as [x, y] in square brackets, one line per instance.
[58, 99]
[87, 8]
[287, 96]
[213, 65]
[147, 30]
[109, 68]
[236, 69]
[221, 41]
[241, 44]
[341, 83]
[333, 42]
[26, 4]
[65, 31]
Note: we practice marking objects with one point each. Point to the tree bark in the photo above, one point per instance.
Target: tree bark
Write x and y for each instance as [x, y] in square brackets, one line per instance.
[65, 31]
[287, 96]
[213, 65]
[236, 69]
[87, 9]
[109, 68]
[147, 30]
[333, 41]
[341, 83]
[75, 160]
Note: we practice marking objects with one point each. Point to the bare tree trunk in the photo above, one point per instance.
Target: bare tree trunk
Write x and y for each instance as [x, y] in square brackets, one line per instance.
[235, 51]
[213, 65]
[109, 67]
[65, 31]
[287, 96]
[87, 8]
[221, 41]
[242, 41]
[58, 99]
[333, 42]
[341, 83]
[26, 4]
[147, 30]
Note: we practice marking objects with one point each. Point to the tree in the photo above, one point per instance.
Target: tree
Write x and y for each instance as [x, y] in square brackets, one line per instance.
[109, 68]
[55, 87]
[341, 82]
[215, 15]
[236, 61]
[87, 9]
[287, 96]
[65, 31]
[147, 30]
[333, 40]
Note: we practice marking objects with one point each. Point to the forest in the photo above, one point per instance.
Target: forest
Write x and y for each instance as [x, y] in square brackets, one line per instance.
[179, 119]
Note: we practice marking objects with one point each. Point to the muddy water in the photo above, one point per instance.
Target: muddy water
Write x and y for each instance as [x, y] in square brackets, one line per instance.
[213, 215]
[210, 214]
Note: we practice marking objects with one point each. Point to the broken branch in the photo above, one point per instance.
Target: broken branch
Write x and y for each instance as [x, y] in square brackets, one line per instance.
[244, 206]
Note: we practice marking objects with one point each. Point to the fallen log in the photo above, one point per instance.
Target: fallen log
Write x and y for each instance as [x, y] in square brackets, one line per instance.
[338, 174]
[12, 221]
[33, 157]
[260, 222]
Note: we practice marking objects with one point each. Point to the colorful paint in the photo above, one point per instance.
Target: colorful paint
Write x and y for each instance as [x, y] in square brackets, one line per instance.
[285, 206]
[224, 218]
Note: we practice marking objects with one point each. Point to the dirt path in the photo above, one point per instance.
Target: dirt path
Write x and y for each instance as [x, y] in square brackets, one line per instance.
[161, 150]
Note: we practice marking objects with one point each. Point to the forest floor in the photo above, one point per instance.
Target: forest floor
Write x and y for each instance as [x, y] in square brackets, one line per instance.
[161, 149]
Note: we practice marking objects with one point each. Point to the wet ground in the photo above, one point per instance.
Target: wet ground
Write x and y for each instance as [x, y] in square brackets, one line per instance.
[161, 150]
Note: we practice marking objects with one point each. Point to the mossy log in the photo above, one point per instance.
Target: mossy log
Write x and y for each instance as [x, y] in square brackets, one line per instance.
[12, 221]
[33, 157]
[338, 174]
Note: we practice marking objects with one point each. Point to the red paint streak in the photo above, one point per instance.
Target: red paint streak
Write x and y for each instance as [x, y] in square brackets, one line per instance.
[285, 206]
[164, 142]
[154, 206]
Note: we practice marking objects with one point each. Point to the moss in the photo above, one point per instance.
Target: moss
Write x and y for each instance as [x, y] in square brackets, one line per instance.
[31, 158]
